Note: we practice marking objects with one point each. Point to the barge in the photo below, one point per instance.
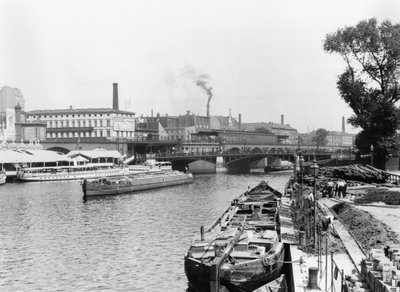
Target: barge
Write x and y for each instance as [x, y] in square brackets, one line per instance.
[242, 250]
[132, 183]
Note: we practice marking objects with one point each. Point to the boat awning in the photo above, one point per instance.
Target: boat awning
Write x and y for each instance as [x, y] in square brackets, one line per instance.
[29, 156]
[80, 158]
[96, 153]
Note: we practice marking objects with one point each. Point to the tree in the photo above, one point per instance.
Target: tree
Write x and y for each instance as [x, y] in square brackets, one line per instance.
[370, 82]
[320, 137]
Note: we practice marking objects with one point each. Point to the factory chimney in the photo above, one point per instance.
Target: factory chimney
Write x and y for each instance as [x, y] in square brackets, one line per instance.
[240, 121]
[115, 96]
[282, 120]
[343, 125]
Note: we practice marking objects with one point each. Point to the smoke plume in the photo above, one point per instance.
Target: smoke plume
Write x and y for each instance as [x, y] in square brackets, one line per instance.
[201, 80]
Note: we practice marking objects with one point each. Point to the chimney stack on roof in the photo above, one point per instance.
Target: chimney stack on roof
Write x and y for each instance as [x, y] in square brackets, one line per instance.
[115, 96]
[282, 120]
[343, 125]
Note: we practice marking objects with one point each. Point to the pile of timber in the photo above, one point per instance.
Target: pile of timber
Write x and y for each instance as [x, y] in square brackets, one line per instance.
[357, 172]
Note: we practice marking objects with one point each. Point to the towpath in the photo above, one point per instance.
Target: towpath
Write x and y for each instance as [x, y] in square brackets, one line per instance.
[353, 248]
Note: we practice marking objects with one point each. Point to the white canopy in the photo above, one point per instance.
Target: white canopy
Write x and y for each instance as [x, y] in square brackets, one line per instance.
[96, 153]
[29, 156]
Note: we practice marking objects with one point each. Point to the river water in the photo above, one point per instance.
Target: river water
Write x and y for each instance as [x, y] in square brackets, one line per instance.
[51, 240]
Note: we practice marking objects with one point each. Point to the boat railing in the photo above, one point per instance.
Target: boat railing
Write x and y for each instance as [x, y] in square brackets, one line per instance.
[67, 171]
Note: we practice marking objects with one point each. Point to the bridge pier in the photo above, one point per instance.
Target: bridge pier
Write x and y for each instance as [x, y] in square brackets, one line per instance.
[220, 165]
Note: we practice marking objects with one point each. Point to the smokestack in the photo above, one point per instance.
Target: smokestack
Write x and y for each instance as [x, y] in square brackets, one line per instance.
[343, 125]
[240, 121]
[115, 96]
[282, 120]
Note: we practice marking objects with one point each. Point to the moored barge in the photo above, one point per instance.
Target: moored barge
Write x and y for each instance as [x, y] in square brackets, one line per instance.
[131, 183]
[242, 249]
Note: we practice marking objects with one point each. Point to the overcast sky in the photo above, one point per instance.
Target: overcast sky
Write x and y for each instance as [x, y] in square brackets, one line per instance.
[263, 59]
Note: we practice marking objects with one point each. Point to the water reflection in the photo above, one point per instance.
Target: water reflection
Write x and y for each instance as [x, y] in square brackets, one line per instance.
[51, 239]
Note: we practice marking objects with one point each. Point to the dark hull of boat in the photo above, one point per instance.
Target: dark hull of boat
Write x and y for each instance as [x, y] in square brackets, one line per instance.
[237, 277]
[138, 184]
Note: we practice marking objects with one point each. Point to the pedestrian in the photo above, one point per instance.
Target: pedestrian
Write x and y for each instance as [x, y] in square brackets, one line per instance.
[335, 188]
[344, 188]
[330, 188]
[340, 188]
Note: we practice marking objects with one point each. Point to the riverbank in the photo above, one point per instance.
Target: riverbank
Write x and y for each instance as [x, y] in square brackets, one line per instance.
[370, 230]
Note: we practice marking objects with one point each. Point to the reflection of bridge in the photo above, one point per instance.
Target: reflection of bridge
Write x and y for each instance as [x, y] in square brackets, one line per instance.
[234, 162]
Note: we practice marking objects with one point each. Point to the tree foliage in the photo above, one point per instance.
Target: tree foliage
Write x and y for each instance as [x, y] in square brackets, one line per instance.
[320, 137]
[370, 81]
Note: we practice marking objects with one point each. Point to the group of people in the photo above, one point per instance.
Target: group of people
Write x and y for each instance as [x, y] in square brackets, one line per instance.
[335, 189]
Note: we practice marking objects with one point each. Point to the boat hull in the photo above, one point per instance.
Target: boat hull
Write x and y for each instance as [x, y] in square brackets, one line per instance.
[71, 175]
[245, 276]
[139, 183]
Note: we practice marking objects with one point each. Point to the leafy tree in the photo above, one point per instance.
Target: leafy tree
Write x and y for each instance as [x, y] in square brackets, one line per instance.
[320, 137]
[370, 82]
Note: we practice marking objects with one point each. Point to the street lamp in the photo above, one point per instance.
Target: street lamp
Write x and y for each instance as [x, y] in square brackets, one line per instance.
[314, 171]
[301, 161]
[372, 154]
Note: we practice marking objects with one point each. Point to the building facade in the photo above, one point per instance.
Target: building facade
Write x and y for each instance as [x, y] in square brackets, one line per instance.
[85, 123]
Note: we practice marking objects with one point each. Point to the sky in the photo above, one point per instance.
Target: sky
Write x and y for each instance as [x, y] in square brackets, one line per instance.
[261, 59]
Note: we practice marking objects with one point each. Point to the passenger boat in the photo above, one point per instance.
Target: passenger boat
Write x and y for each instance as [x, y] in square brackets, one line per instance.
[150, 165]
[242, 249]
[132, 183]
[69, 172]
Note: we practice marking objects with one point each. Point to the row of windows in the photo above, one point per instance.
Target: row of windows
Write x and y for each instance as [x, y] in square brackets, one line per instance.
[78, 123]
[76, 115]
[88, 134]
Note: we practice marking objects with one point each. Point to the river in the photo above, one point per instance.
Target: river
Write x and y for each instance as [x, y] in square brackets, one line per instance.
[51, 240]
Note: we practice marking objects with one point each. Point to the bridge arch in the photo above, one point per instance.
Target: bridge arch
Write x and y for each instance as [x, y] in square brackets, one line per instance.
[234, 150]
[256, 150]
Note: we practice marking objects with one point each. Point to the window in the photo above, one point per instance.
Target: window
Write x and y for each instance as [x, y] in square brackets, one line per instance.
[84, 123]
[101, 133]
[79, 124]
[95, 123]
[108, 133]
[101, 123]
[108, 123]
[73, 124]
[90, 123]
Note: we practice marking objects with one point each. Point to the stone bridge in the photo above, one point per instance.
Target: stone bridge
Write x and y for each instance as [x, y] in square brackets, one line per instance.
[233, 162]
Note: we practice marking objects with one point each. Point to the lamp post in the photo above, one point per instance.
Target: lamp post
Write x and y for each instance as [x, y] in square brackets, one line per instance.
[372, 154]
[301, 161]
[314, 171]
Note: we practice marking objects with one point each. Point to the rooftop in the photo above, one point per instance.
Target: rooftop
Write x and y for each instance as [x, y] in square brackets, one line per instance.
[78, 111]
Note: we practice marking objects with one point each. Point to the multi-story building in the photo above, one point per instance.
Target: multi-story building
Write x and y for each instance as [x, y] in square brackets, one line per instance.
[108, 123]
[13, 123]
[86, 123]
[286, 134]
[180, 128]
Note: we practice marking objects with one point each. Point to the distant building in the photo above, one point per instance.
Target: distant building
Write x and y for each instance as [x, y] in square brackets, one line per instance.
[13, 123]
[286, 134]
[86, 123]
[225, 123]
[180, 128]
[105, 123]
